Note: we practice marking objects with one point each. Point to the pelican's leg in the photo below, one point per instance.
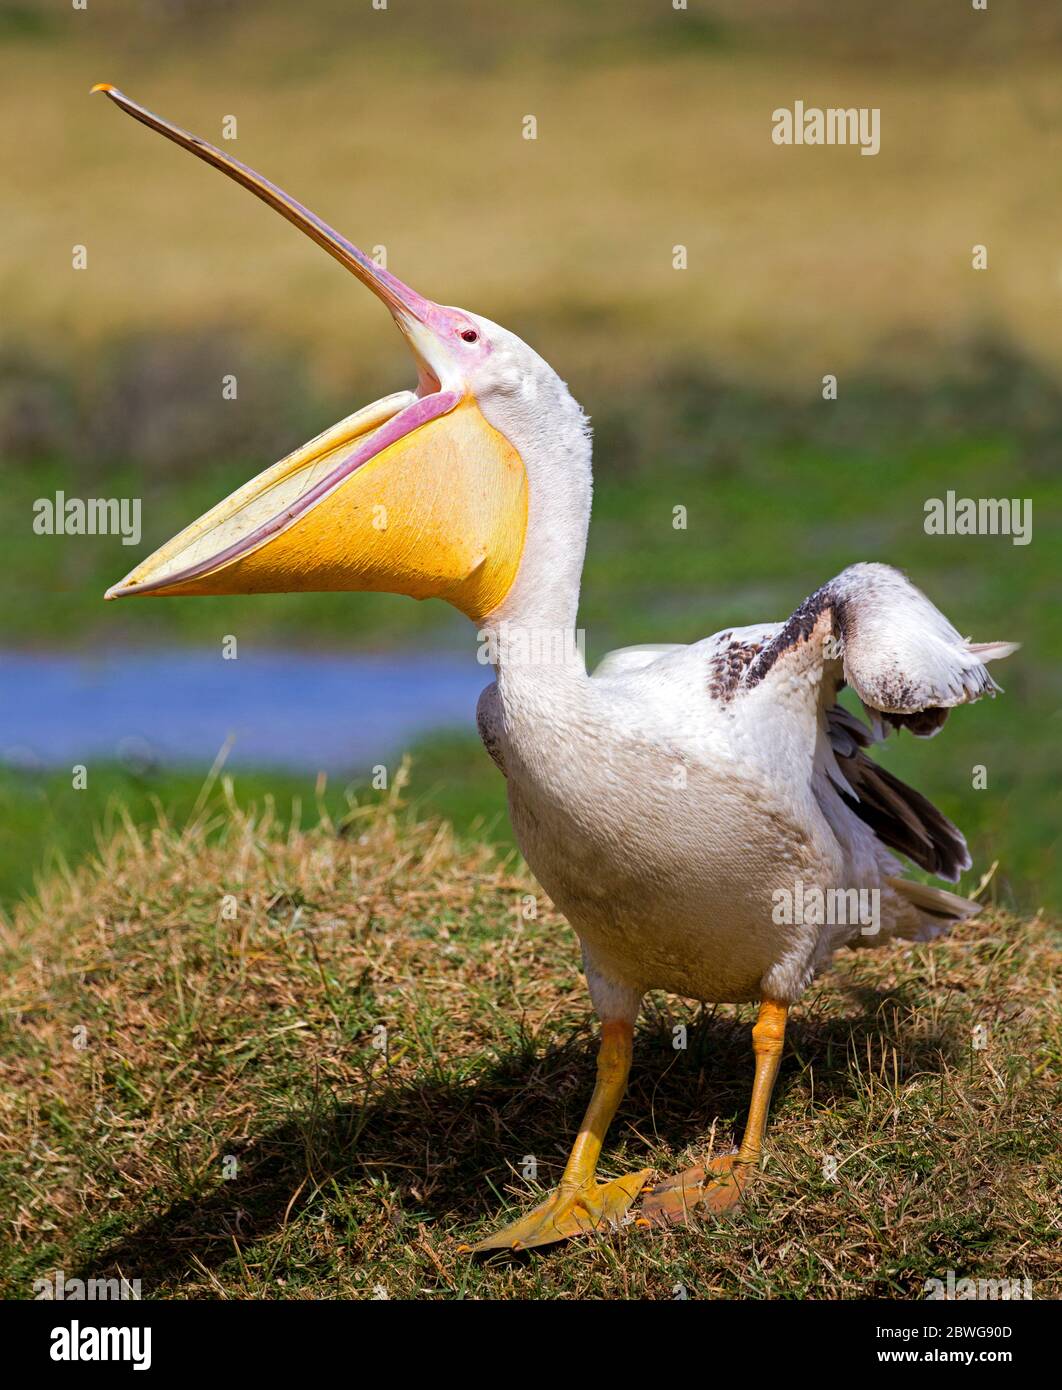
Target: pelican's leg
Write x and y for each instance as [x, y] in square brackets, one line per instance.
[720, 1186]
[580, 1204]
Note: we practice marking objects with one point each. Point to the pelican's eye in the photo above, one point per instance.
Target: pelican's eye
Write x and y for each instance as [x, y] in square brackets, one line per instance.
[469, 335]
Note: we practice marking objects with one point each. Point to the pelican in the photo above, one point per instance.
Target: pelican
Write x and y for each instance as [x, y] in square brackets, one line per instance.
[683, 805]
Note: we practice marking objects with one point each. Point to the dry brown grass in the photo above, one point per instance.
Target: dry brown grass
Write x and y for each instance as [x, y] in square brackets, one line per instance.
[359, 1171]
[405, 128]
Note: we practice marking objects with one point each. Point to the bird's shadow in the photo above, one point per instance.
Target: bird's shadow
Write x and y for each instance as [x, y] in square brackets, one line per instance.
[445, 1151]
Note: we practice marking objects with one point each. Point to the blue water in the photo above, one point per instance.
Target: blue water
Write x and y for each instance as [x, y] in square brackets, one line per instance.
[297, 710]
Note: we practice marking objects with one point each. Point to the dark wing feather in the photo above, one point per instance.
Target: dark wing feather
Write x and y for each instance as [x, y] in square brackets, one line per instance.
[899, 816]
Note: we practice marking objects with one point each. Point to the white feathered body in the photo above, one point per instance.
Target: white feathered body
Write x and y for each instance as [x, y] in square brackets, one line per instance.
[669, 801]
[674, 802]
[663, 845]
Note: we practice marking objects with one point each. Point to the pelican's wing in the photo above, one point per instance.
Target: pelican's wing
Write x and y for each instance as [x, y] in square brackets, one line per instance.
[625, 659]
[899, 816]
[870, 627]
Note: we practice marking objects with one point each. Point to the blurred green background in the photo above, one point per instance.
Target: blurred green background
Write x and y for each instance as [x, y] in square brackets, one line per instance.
[403, 127]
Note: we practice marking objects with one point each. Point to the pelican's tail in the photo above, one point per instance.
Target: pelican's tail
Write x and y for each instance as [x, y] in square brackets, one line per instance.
[934, 910]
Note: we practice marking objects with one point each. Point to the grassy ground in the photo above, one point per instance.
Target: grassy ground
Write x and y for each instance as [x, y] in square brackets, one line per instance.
[49, 828]
[404, 127]
[224, 1126]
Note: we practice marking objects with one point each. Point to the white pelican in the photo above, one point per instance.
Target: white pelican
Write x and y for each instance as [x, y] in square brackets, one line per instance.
[674, 801]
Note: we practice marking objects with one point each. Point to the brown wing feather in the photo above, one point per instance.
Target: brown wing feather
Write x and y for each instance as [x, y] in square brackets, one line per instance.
[901, 818]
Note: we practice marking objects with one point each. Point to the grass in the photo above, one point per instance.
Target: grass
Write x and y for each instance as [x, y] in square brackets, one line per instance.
[404, 128]
[51, 828]
[232, 1127]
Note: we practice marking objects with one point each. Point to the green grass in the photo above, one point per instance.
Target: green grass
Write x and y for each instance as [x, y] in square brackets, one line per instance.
[231, 1127]
[50, 828]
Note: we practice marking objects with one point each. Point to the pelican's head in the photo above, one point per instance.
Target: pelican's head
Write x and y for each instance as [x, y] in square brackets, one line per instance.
[424, 492]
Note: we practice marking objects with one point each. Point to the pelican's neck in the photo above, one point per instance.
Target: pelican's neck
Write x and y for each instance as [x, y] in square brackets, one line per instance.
[533, 632]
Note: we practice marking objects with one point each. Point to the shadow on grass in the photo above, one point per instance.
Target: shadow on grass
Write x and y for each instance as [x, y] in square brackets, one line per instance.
[445, 1149]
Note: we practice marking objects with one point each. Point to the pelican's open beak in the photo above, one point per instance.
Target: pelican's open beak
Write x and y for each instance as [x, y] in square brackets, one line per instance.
[416, 494]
